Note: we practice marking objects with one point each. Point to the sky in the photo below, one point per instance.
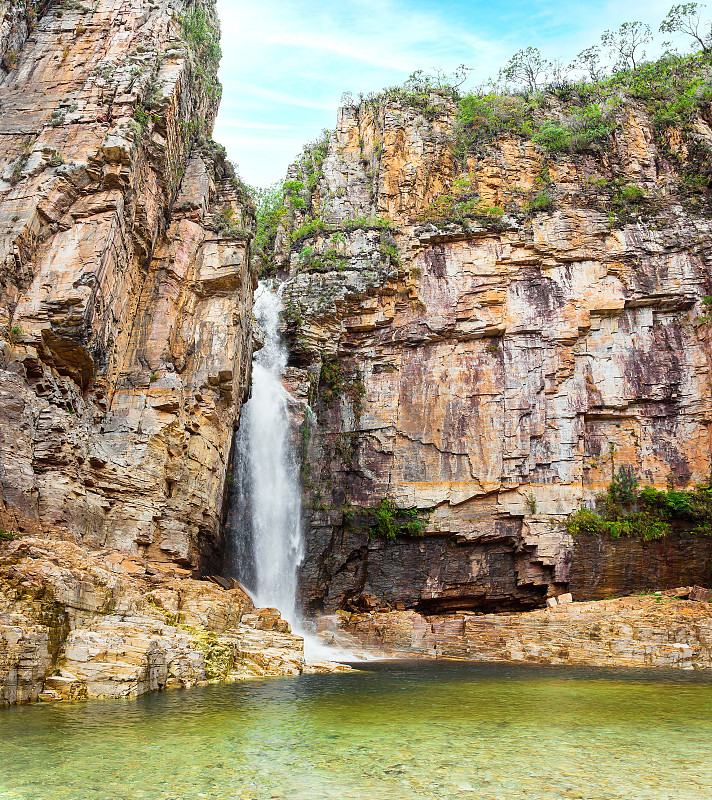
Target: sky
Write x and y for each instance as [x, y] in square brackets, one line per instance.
[286, 63]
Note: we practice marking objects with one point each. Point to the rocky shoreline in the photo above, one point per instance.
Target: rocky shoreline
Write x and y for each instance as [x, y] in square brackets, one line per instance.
[76, 624]
[661, 629]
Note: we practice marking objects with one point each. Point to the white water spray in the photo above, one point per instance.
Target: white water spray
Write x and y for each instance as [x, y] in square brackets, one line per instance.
[267, 474]
[265, 519]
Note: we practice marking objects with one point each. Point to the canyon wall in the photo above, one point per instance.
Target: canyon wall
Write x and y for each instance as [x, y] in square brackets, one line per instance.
[125, 279]
[474, 381]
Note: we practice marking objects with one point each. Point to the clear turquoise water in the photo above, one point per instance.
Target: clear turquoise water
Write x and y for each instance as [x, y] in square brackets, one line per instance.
[399, 732]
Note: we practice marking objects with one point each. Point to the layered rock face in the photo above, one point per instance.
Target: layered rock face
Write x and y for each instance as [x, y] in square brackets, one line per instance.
[124, 276]
[491, 376]
[661, 630]
[77, 624]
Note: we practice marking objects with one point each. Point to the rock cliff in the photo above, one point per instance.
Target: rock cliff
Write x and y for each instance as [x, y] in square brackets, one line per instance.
[486, 333]
[125, 280]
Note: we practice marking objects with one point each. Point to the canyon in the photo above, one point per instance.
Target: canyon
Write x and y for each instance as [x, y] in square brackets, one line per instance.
[460, 384]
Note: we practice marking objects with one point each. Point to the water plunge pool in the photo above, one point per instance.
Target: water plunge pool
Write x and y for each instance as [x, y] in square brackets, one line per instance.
[399, 731]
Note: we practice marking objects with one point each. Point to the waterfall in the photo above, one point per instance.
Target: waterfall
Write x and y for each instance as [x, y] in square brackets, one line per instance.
[265, 518]
[264, 523]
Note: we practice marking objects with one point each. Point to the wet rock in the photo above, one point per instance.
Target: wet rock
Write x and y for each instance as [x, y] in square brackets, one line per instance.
[654, 631]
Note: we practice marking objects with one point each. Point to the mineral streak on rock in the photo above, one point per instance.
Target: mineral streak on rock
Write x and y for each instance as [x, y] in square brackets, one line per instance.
[491, 376]
[125, 314]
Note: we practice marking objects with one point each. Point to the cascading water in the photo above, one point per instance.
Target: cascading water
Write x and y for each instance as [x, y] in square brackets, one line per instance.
[264, 523]
[266, 508]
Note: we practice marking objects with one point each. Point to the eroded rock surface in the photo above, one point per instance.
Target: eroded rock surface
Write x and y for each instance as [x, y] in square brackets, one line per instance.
[77, 624]
[125, 284]
[492, 375]
[655, 631]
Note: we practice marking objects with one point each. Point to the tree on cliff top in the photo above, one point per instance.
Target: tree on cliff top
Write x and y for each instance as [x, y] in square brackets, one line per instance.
[687, 18]
[528, 67]
[625, 44]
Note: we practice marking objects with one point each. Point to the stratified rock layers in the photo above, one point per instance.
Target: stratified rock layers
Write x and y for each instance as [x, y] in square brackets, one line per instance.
[491, 377]
[125, 314]
[76, 624]
[659, 631]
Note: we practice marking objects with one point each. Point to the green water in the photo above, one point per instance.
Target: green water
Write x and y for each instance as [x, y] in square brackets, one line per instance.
[399, 732]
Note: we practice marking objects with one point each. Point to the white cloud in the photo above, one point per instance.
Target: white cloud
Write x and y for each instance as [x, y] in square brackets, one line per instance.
[287, 62]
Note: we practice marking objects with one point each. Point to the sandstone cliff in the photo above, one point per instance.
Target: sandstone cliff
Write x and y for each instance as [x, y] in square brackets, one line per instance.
[124, 276]
[485, 333]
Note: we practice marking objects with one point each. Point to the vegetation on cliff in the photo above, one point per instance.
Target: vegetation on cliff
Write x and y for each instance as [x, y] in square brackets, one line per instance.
[576, 110]
[648, 513]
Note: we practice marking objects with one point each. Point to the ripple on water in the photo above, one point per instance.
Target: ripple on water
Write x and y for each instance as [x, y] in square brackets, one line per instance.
[397, 732]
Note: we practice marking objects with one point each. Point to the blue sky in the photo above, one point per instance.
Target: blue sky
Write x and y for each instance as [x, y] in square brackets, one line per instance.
[286, 63]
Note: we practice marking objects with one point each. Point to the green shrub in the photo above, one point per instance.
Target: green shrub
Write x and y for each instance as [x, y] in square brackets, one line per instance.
[391, 521]
[483, 117]
[647, 514]
[309, 228]
[201, 35]
[270, 211]
[460, 205]
[585, 129]
[542, 202]
[419, 92]
[228, 226]
[328, 260]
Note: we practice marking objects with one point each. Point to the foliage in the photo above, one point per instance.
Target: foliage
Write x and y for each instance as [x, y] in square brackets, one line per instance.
[311, 161]
[388, 249]
[625, 44]
[621, 201]
[589, 60]
[7, 537]
[541, 202]
[309, 228]
[686, 18]
[584, 129]
[461, 205]
[420, 92]
[336, 380]
[390, 521]
[625, 510]
[317, 226]
[325, 261]
[527, 67]
[222, 169]
[706, 317]
[270, 211]
[675, 90]
[227, 225]
[483, 117]
[202, 35]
